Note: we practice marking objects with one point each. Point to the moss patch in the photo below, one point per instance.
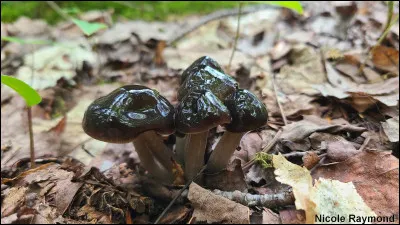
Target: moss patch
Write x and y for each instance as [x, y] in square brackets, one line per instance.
[264, 159]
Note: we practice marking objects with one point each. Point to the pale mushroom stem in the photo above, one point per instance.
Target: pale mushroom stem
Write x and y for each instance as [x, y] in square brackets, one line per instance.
[222, 153]
[180, 149]
[148, 161]
[194, 153]
[159, 149]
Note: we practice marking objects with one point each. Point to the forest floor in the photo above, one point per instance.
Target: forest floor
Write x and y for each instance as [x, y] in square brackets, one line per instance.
[330, 85]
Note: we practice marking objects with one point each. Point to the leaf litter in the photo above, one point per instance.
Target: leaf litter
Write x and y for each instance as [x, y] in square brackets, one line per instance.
[342, 117]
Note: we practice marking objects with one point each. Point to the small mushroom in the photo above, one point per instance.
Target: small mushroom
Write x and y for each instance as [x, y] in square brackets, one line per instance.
[199, 111]
[135, 113]
[248, 113]
[199, 64]
[208, 78]
[204, 73]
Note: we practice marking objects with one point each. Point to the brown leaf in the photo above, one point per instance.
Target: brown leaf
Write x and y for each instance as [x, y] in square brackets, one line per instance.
[269, 217]
[375, 175]
[230, 179]
[386, 58]
[339, 151]
[212, 208]
[177, 214]
[292, 216]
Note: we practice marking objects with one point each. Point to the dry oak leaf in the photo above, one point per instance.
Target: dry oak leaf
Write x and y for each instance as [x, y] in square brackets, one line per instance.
[212, 208]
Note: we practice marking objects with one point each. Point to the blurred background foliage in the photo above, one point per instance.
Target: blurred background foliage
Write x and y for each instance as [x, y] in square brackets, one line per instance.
[141, 10]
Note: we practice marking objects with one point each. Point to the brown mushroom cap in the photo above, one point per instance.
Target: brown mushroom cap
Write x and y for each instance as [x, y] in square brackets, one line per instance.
[208, 78]
[198, 64]
[247, 111]
[126, 112]
[200, 111]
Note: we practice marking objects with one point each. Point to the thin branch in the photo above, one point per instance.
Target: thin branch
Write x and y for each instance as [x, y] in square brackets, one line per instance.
[365, 143]
[236, 37]
[268, 200]
[179, 194]
[57, 8]
[216, 16]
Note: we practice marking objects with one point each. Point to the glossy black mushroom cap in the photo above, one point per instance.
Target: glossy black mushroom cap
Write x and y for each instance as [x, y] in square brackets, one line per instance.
[126, 112]
[198, 64]
[208, 78]
[247, 111]
[200, 111]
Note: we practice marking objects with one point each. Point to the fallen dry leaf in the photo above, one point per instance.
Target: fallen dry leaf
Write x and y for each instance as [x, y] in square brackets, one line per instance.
[386, 58]
[212, 208]
[391, 128]
[269, 217]
[326, 197]
[339, 151]
[375, 176]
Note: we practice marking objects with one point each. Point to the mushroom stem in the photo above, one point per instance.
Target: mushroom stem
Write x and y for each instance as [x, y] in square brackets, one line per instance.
[195, 148]
[219, 158]
[148, 161]
[159, 149]
[180, 149]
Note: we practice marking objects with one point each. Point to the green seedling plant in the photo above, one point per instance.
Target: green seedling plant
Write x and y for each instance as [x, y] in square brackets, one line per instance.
[31, 98]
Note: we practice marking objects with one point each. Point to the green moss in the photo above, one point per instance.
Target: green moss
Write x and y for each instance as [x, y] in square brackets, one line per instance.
[264, 159]
[142, 10]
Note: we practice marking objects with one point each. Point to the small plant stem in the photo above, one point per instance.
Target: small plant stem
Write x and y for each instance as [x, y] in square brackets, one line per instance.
[32, 148]
[194, 153]
[236, 37]
[148, 161]
[219, 158]
[180, 193]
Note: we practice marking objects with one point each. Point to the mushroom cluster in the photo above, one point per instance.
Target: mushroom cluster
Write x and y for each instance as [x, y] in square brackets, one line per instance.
[207, 98]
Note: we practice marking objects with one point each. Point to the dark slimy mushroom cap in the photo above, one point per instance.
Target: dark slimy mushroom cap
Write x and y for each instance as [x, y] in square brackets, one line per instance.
[208, 78]
[126, 112]
[247, 111]
[198, 64]
[200, 111]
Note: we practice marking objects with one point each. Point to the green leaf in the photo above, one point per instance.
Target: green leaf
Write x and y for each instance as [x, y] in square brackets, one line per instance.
[89, 28]
[29, 94]
[25, 41]
[294, 5]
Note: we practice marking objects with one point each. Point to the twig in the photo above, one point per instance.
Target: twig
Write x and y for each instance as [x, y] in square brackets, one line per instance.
[267, 200]
[57, 8]
[298, 154]
[236, 37]
[365, 143]
[247, 166]
[179, 194]
[215, 16]
[31, 142]
[319, 163]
